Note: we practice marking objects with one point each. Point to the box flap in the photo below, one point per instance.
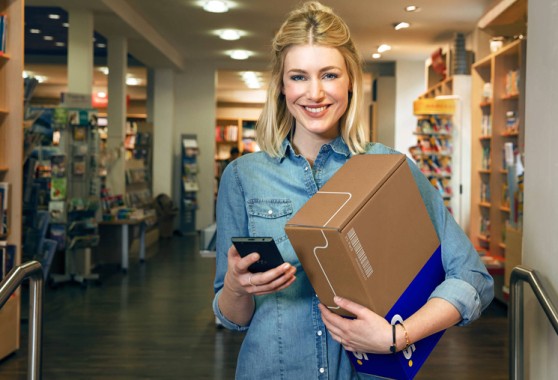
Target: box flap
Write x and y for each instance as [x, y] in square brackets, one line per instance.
[343, 195]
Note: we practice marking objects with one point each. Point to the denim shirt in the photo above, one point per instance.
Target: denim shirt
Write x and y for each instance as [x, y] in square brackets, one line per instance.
[286, 338]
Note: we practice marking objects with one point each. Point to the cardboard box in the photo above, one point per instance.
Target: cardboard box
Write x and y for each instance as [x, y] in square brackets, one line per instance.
[366, 236]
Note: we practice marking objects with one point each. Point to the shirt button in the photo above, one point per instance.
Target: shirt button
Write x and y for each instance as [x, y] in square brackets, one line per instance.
[270, 212]
[306, 168]
[322, 370]
[320, 333]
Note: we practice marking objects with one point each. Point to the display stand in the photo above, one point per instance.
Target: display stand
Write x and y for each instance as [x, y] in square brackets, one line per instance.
[79, 192]
[189, 184]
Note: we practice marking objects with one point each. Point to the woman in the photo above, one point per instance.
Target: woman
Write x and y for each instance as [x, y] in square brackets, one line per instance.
[309, 127]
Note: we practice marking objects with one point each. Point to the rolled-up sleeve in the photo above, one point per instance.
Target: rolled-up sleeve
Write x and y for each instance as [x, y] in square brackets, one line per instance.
[468, 286]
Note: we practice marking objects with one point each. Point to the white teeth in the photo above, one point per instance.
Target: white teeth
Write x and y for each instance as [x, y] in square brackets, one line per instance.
[315, 110]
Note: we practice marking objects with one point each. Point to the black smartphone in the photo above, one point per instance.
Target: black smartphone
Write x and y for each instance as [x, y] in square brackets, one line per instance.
[270, 257]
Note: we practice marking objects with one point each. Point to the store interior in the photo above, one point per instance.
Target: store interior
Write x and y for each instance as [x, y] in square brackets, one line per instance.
[126, 134]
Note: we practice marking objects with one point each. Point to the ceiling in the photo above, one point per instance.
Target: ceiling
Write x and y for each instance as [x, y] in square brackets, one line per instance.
[179, 33]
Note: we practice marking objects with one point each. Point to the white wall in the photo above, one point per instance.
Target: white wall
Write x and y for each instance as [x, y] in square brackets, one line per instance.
[540, 237]
[409, 84]
[195, 114]
[385, 110]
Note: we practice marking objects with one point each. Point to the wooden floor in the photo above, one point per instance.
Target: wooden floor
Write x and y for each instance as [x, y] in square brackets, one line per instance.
[156, 322]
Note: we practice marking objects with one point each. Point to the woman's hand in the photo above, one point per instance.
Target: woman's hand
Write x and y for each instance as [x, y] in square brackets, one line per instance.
[243, 282]
[369, 332]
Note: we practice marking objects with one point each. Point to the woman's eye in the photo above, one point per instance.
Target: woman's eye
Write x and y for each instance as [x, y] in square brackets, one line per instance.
[330, 76]
[297, 77]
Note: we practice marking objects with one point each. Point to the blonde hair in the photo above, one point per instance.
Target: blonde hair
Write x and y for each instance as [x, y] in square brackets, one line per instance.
[312, 23]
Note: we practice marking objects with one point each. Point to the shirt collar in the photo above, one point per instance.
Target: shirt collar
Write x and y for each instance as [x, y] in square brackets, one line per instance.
[338, 146]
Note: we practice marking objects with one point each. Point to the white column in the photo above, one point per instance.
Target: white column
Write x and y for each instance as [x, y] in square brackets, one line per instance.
[163, 126]
[540, 240]
[195, 114]
[116, 110]
[80, 52]
[409, 85]
[385, 110]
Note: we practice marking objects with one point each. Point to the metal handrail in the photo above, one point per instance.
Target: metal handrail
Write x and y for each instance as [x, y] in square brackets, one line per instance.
[34, 271]
[521, 274]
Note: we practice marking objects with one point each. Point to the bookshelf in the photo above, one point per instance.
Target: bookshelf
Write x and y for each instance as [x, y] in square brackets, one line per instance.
[11, 157]
[189, 184]
[498, 104]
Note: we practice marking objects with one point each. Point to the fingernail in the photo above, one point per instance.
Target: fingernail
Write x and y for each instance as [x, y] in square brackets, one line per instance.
[337, 299]
[286, 266]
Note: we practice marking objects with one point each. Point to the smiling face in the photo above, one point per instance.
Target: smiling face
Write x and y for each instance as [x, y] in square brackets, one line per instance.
[316, 86]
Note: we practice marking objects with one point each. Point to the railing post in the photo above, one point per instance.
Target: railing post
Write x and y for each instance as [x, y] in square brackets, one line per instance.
[34, 271]
[516, 326]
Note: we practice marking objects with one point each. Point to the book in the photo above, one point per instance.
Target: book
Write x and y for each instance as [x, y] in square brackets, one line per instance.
[58, 166]
[3, 32]
[5, 195]
[57, 211]
[58, 188]
[7, 258]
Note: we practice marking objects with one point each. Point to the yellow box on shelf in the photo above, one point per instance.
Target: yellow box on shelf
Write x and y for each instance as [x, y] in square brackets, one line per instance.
[434, 107]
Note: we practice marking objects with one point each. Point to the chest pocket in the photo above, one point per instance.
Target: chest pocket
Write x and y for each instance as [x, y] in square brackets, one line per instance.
[267, 217]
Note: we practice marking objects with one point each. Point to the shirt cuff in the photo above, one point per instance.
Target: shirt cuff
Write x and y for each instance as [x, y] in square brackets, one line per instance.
[224, 321]
[463, 296]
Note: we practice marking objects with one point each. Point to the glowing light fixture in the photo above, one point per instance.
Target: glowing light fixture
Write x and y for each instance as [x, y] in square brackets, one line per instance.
[240, 54]
[376, 55]
[131, 81]
[229, 34]
[48, 38]
[60, 44]
[383, 47]
[34, 31]
[53, 16]
[216, 6]
[412, 8]
[401, 25]
[251, 79]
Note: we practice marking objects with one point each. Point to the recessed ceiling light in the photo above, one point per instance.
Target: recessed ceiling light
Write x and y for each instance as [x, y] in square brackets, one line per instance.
[53, 16]
[101, 45]
[229, 34]
[48, 38]
[401, 25]
[104, 70]
[60, 44]
[376, 55]
[34, 31]
[65, 24]
[412, 8]
[240, 54]
[383, 47]
[131, 81]
[216, 6]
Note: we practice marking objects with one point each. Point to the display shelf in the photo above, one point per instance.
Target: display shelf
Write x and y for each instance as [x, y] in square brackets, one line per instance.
[498, 80]
[11, 158]
[434, 151]
[452, 145]
[189, 184]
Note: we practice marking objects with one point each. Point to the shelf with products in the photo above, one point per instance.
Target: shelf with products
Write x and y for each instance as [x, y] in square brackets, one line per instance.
[11, 161]
[434, 150]
[232, 135]
[189, 184]
[498, 105]
[442, 151]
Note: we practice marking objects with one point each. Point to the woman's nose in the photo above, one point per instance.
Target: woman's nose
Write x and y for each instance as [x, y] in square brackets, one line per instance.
[315, 90]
